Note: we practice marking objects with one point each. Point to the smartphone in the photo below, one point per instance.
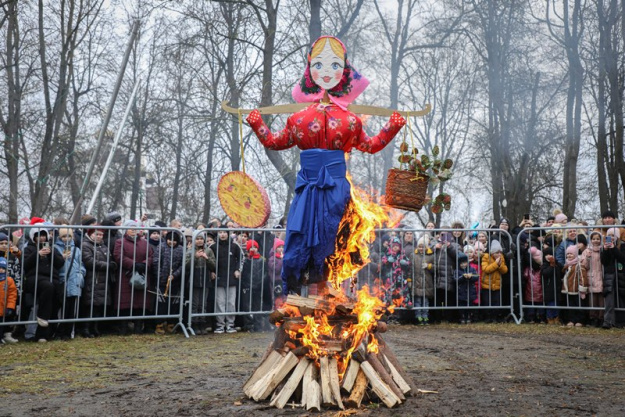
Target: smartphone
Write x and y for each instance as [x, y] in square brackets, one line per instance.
[608, 239]
[526, 216]
[46, 244]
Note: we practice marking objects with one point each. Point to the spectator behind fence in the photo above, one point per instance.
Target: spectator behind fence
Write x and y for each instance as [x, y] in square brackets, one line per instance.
[85, 220]
[42, 264]
[466, 277]
[8, 302]
[12, 253]
[591, 262]
[253, 287]
[446, 255]
[169, 263]
[99, 280]
[203, 300]
[111, 236]
[613, 259]
[274, 269]
[72, 278]
[133, 254]
[396, 270]
[423, 280]
[228, 255]
[551, 281]
[575, 286]
[493, 267]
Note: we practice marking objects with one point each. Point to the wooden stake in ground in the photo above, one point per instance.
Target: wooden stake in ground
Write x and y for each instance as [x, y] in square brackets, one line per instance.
[263, 369]
[399, 380]
[388, 352]
[378, 386]
[334, 383]
[372, 358]
[358, 390]
[350, 375]
[326, 390]
[266, 385]
[291, 385]
[311, 390]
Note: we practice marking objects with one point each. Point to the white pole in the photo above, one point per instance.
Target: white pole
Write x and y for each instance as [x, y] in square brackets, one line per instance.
[115, 142]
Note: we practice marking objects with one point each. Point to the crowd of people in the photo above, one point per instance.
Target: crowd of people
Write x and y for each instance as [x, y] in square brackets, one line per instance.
[87, 279]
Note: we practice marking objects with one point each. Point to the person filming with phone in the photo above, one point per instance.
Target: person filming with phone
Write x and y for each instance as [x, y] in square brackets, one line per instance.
[42, 264]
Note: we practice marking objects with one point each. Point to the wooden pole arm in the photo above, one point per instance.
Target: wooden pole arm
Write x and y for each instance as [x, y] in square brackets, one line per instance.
[354, 108]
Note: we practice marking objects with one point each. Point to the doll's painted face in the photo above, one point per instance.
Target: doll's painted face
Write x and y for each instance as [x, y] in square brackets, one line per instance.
[326, 68]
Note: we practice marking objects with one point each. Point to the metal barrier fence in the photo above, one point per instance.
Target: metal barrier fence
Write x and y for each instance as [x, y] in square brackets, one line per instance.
[556, 285]
[210, 280]
[80, 276]
[413, 282]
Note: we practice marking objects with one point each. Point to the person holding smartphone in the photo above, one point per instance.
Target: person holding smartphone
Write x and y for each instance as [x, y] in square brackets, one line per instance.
[42, 265]
[612, 259]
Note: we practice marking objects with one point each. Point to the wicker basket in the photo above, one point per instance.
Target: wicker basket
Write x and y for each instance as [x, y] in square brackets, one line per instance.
[405, 192]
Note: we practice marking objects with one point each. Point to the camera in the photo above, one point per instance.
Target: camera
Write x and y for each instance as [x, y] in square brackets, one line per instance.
[608, 239]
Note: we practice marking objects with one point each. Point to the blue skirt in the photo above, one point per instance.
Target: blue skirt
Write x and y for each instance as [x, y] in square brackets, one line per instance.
[321, 195]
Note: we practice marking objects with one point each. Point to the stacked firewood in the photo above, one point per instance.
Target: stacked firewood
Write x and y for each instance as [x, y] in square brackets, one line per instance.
[289, 373]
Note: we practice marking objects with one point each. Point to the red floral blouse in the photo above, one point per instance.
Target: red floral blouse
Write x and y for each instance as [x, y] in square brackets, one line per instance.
[325, 126]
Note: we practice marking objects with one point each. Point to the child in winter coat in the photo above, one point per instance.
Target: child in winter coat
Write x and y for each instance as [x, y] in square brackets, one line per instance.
[466, 277]
[574, 285]
[72, 276]
[551, 283]
[591, 262]
[8, 302]
[203, 298]
[423, 281]
[474, 262]
[12, 253]
[493, 267]
[274, 273]
[252, 287]
[532, 284]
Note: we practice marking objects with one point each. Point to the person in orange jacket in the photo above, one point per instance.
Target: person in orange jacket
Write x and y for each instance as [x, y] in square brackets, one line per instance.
[493, 268]
[8, 301]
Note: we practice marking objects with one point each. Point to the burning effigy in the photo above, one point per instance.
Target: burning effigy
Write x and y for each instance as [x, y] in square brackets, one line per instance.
[328, 343]
[328, 350]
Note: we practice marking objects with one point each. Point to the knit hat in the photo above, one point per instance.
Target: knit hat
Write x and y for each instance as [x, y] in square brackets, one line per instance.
[188, 232]
[574, 251]
[3, 237]
[423, 240]
[87, 220]
[561, 218]
[130, 223]
[250, 243]
[396, 241]
[113, 217]
[479, 246]
[495, 246]
[462, 257]
[174, 236]
[612, 231]
[159, 223]
[608, 213]
[277, 243]
[503, 220]
[537, 256]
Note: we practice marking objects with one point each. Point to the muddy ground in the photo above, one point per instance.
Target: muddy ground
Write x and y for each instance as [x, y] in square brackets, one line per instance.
[526, 370]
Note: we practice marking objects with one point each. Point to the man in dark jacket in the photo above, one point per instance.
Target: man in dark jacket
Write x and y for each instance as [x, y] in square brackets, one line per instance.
[228, 272]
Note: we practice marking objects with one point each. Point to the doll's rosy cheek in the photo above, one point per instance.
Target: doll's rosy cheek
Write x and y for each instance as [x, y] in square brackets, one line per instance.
[338, 74]
[315, 75]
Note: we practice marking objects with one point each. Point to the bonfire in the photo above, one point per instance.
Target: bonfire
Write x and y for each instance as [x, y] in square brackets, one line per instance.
[328, 350]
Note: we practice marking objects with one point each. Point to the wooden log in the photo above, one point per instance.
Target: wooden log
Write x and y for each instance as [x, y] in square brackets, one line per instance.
[373, 360]
[350, 375]
[334, 383]
[358, 391]
[326, 390]
[301, 351]
[390, 355]
[291, 385]
[266, 385]
[399, 380]
[311, 390]
[263, 369]
[378, 386]
[280, 338]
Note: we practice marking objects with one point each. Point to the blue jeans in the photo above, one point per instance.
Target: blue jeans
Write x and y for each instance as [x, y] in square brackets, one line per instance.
[552, 313]
[421, 304]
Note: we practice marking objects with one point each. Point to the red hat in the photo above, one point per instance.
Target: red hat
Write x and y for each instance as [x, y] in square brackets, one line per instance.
[251, 243]
[36, 220]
